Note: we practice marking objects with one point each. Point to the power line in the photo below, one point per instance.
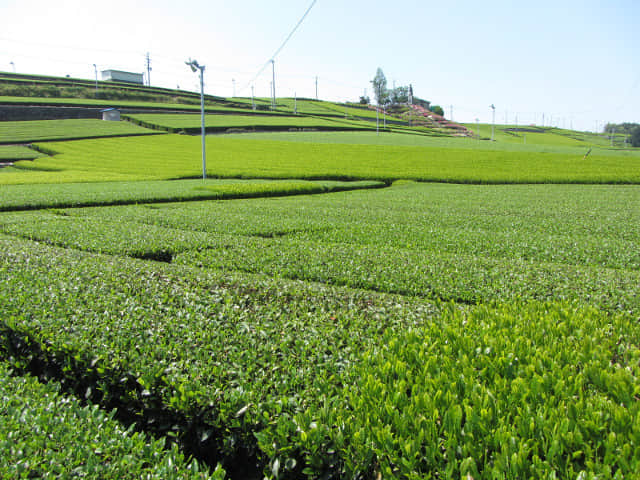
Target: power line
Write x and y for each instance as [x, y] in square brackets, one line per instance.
[294, 30]
[266, 64]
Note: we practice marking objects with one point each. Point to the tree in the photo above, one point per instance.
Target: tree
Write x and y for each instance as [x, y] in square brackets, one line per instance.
[625, 127]
[635, 137]
[364, 100]
[438, 110]
[400, 95]
[379, 83]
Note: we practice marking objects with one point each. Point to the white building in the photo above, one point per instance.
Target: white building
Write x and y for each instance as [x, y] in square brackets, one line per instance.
[110, 114]
[120, 76]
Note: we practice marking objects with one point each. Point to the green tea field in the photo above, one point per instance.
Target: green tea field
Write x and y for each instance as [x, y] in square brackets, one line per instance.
[325, 305]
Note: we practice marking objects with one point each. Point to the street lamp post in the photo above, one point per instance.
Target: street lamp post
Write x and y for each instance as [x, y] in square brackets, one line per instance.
[14, 66]
[195, 66]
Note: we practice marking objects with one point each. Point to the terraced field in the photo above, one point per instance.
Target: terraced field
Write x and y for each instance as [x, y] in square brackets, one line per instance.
[484, 328]
[12, 152]
[178, 156]
[38, 130]
[254, 122]
[40, 196]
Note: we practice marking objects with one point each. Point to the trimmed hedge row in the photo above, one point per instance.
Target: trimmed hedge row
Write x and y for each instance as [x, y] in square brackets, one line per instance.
[45, 434]
[206, 358]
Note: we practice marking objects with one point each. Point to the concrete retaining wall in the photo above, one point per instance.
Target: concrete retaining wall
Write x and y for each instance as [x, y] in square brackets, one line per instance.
[23, 112]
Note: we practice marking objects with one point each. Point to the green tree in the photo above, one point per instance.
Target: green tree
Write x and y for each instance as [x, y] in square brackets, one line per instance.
[438, 110]
[400, 95]
[379, 83]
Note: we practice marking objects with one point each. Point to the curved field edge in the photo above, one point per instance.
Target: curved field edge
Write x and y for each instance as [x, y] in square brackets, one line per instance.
[324, 382]
[199, 365]
[70, 129]
[39, 196]
[44, 432]
[179, 156]
[469, 244]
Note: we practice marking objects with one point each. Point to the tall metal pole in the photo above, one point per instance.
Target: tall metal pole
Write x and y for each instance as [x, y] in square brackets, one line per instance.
[96, 70]
[253, 102]
[316, 87]
[493, 121]
[148, 70]
[273, 71]
[13, 65]
[204, 154]
[193, 64]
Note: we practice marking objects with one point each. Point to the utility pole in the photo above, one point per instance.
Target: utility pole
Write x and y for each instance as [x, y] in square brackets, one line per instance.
[95, 68]
[148, 70]
[233, 80]
[410, 103]
[273, 71]
[253, 102]
[493, 121]
[316, 87]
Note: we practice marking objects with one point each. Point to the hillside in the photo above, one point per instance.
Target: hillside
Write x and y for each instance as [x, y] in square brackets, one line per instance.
[301, 295]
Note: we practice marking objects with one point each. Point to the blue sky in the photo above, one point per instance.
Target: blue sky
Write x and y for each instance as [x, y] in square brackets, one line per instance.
[573, 61]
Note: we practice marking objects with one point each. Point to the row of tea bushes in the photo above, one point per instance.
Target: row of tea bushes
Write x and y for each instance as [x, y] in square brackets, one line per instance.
[46, 434]
[497, 392]
[208, 358]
